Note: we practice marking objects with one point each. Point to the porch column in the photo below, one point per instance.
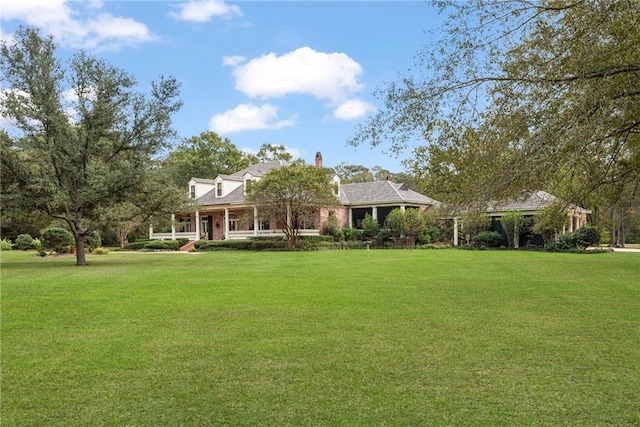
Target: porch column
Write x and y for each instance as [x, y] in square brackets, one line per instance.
[173, 226]
[374, 212]
[226, 223]
[197, 225]
[571, 230]
[455, 231]
[402, 208]
[255, 221]
[350, 217]
[150, 231]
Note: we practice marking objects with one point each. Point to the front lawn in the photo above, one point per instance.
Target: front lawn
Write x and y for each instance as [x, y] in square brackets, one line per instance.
[354, 337]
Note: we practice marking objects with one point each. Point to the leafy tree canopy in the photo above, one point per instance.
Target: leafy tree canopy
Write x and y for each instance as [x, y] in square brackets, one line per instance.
[84, 135]
[273, 152]
[517, 95]
[205, 156]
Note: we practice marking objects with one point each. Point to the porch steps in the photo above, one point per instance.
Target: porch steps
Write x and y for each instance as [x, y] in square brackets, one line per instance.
[188, 246]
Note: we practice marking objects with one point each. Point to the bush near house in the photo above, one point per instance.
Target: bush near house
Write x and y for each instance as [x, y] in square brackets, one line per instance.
[588, 236]
[487, 239]
[244, 245]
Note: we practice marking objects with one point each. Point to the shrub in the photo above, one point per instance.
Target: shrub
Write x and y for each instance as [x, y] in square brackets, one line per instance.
[24, 242]
[100, 251]
[37, 244]
[331, 225]
[92, 241]
[198, 243]
[384, 235]
[5, 245]
[244, 245]
[428, 234]
[135, 246]
[565, 242]
[352, 234]
[156, 245]
[586, 236]
[487, 239]
[58, 240]
[370, 227]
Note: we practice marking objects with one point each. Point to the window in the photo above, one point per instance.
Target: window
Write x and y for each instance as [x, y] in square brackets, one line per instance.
[204, 227]
[264, 225]
[233, 222]
[184, 226]
[219, 189]
[192, 192]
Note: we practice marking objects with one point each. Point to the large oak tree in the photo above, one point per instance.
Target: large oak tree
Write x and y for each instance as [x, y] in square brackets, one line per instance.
[83, 134]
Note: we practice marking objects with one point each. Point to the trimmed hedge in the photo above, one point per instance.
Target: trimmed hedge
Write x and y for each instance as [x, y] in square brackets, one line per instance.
[155, 245]
[487, 239]
[243, 245]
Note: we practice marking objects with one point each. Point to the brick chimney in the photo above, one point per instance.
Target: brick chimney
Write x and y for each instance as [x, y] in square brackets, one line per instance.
[319, 160]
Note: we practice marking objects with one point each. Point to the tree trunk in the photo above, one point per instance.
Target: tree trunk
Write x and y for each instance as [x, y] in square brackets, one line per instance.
[81, 258]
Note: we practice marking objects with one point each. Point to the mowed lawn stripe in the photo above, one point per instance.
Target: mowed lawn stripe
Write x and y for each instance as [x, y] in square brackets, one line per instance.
[380, 337]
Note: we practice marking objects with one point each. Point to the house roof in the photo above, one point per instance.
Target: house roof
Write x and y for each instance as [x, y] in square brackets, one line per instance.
[381, 192]
[234, 197]
[530, 202]
[203, 181]
[361, 193]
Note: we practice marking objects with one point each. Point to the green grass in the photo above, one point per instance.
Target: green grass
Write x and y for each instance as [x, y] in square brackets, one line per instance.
[336, 338]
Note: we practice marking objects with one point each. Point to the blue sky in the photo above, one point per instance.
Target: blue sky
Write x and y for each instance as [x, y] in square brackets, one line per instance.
[297, 73]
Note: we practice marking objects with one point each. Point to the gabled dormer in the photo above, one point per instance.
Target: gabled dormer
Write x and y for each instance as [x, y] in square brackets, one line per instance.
[335, 182]
[225, 184]
[249, 179]
[198, 187]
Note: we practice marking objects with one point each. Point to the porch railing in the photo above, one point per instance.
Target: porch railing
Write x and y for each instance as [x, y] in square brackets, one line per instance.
[233, 235]
[177, 235]
[246, 234]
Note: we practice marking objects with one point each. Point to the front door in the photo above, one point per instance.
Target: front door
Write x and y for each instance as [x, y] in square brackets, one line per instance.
[204, 228]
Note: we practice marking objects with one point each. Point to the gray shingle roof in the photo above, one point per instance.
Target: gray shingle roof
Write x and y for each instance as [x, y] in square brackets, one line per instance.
[210, 199]
[381, 192]
[203, 181]
[362, 193]
[530, 202]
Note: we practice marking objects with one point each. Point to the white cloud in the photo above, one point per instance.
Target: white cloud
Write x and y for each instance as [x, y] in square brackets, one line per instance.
[326, 76]
[248, 117]
[204, 10]
[353, 109]
[233, 61]
[87, 26]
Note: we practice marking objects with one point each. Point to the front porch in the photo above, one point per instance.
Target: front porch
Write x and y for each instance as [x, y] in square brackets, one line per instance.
[226, 224]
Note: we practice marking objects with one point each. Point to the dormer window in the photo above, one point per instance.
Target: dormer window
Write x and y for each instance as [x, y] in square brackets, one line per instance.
[336, 185]
[219, 189]
[192, 192]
